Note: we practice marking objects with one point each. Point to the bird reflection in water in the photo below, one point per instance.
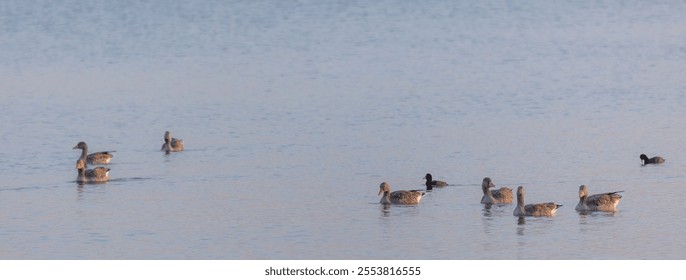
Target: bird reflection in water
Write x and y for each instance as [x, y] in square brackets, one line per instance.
[385, 210]
[521, 221]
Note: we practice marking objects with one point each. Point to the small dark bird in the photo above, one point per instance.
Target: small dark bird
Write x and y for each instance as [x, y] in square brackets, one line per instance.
[653, 160]
[431, 183]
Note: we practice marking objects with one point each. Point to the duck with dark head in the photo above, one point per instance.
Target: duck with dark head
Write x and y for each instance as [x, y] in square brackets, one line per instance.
[431, 183]
[653, 160]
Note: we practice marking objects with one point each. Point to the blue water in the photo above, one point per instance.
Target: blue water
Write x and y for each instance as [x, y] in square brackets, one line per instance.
[293, 113]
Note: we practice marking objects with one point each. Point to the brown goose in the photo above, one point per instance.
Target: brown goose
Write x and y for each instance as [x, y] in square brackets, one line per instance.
[399, 197]
[540, 209]
[98, 174]
[94, 158]
[171, 144]
[499, 196]
[598, 202]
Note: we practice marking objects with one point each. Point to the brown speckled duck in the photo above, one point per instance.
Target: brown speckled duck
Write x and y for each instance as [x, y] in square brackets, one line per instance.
[499, 196]
[96, 175]
[399, 197]
[94, 158]
[171, 144]
[540, 209]
[606, 202]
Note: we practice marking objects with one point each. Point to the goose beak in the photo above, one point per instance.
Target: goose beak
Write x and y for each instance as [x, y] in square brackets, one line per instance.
[75, 147]
[380, 191]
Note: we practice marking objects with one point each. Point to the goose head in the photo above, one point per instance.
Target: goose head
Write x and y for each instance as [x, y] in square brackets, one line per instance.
[583, 191]
[81, 145]
[486, 184]
[384, 188]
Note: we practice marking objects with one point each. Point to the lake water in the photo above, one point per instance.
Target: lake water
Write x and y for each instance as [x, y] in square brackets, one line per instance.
[293, 113]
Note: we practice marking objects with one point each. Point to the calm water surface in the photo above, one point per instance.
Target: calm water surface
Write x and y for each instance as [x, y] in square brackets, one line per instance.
[293, 113]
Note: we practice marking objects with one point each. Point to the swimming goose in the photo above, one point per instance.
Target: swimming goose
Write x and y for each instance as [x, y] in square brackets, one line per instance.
[598, 202]
[645, 160]
[500, 196]
[399, 197]
[94, 158]
[430, 183]
[171, 144]
[98, 174]
[540, 209]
